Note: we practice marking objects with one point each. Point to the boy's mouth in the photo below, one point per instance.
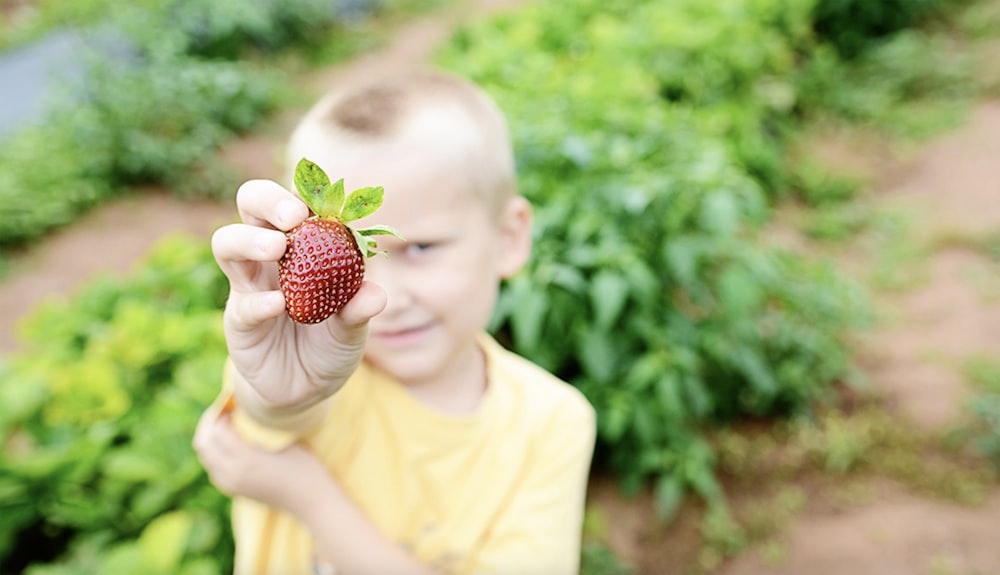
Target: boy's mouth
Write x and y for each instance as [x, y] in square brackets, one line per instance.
[401, 337]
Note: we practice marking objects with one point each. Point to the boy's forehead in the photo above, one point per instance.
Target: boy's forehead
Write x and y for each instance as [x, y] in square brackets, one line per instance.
[419, 193]
[430, 142]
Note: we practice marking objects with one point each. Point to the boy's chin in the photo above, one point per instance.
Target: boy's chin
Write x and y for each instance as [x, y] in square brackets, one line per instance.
[417, 365]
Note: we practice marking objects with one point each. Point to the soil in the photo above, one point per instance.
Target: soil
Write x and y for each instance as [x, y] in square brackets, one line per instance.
[949, 189]
[947, 313]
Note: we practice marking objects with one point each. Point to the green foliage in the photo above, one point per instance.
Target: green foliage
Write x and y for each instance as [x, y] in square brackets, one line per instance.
[168, 116]
[209, 28]
[983, 432]
[154, 123]
[230, 29]
[97, 415]
[157, 116]
[852, 26]
[599, 559]
[596, 555]
[645, 136]
[915, 85]
[650, 137]
[834, 454]
[45, 180]
[151, 124]
[728, 65]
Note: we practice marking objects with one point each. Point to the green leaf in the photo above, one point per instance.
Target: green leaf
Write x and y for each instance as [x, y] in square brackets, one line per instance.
[696, 395]
[164, 541]
[369, 247]
[151, 500]
[644, 422]
[206, 531]
[597, 354]
[527, 316]
[134, 466]
[201, 566]
[126, 557]
[682, 256]
[700, 475]
[757, 371]
[333, 199]
[40, 463]
[668, 395]
[314, 186]
[644, 287]
[615, 417]
[738, 291]
[669, 493]
[608, 293]
[380, 230]
[362, 202]
[568, 278]
[720, 213]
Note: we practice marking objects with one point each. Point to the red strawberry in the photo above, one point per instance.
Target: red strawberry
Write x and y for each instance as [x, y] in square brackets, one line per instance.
[324, 262]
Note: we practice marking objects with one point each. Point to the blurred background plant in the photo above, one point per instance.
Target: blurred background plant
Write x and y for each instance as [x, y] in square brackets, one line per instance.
[153, 89]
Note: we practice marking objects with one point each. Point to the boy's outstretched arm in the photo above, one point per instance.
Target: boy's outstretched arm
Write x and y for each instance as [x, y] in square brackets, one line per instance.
[281, 368]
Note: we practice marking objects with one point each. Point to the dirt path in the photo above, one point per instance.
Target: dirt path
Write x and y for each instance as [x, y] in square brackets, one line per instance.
[107, 240]
[950, 191]
[947, 312]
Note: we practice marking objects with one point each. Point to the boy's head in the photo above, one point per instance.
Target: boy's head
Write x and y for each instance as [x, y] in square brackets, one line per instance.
[440, 148]
[424, 116]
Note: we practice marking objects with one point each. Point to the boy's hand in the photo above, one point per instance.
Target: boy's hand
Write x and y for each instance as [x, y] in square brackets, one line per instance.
[288, 365]
[282, 479]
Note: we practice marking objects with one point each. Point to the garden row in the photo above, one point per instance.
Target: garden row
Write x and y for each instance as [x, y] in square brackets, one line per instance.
[162, 84]
[652, 138]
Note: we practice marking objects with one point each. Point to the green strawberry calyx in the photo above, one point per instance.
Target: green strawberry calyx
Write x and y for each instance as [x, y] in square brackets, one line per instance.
[328, 200]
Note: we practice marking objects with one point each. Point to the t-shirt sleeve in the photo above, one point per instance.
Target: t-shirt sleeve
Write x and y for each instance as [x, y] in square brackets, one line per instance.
[540, 530]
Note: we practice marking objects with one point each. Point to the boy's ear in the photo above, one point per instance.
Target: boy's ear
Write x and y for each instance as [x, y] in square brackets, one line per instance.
[515, 236]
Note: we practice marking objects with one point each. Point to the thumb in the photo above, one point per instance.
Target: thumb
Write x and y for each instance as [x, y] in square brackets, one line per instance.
[366, 304]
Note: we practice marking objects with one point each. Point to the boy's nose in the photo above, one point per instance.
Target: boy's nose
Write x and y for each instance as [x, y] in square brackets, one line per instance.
[380, 270]
[375, 270]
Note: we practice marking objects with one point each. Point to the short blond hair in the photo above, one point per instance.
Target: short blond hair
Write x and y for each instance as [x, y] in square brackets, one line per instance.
[378, 111]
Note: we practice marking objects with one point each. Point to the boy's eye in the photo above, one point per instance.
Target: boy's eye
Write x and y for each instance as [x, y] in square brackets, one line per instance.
[415, 248]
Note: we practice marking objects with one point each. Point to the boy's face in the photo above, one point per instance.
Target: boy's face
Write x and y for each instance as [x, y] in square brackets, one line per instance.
[442, 282]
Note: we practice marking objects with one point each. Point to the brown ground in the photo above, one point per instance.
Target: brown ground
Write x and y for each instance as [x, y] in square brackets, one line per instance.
[950, 191]
[950, 311]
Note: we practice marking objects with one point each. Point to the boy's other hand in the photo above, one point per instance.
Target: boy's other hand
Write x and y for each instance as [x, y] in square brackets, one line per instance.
[289, 365]
[282, 479]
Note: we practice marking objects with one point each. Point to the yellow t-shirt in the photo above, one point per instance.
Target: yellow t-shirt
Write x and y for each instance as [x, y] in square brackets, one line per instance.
[500, 491]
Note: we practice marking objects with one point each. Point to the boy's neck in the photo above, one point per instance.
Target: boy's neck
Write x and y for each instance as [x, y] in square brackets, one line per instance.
[459, 390]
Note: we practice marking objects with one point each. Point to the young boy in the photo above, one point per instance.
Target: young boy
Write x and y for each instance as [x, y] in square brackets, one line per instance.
[396, 437]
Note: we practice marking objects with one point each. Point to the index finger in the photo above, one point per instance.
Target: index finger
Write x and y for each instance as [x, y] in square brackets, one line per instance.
[265, 203]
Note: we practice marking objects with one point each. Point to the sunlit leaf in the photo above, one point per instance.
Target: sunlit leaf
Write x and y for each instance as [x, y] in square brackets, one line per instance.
[608, 293]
